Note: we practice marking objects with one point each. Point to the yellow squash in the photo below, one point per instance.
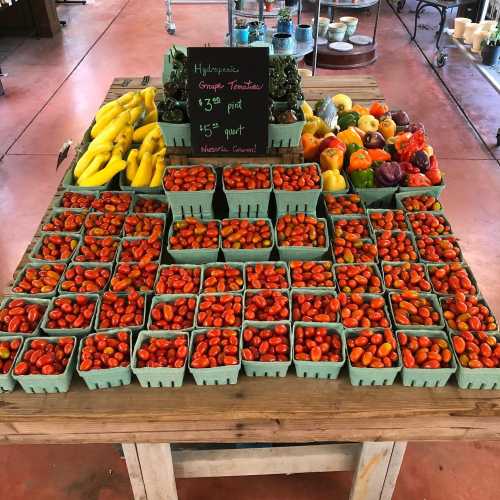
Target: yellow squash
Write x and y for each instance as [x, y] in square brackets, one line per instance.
[105, 120]
[141, 132]
[148, 95]
[152, 116]
[136, 113]
[106, 174]
[113, 129]
[150, 142]
[145, 171]
[88, 156]
[95, 165]
[158, 175]
[132, 166]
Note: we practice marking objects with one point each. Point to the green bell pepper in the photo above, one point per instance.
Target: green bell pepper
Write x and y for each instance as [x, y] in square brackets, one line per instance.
[349, 119]
[351, 148]
[363, 178]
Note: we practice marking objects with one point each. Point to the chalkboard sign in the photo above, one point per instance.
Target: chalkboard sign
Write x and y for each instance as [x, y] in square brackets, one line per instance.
[228, 100]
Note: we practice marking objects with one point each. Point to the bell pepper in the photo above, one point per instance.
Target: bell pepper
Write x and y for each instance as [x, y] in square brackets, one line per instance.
[377, 109]
[323, 128]
[379, 154]
[363, 178]
[330, 141]
[360, 109]
[311, 126]
[349, 119]
[331, 159]
[387, 128]
[434, 172]
[310, 145]
[333, 180]
[407, 143]
[307, 110]
[350, 136]
[418, 180]
[359, 160]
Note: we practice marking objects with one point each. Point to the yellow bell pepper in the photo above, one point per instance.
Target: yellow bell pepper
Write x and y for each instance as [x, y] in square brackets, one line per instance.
[350, 136]
[333, 180]
[360, 110]
[387, 128]
[312, 126]
[331, 159]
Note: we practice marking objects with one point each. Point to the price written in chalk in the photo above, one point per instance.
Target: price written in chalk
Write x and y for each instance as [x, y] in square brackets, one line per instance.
[207, 129]
[207, 103]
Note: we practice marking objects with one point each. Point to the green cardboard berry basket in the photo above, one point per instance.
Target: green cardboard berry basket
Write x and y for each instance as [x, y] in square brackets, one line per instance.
[303, 253]
[158, 377]
[134, 328]
[333, 217]
[472, 278]
[401, 195]
[131, 238]
[220, 375]
[29, 300]
[371, 265]
[47, 384]
[167, 298]
[433, 212]
[370, 211]
[161, 216]
[107, 377]
[399, 264]
[370, 376]
[476, 378]
[176, 134]
[377, 197]
[38, 246]
[20, 276]
[434, 190]
[363, 240]
[56, 211]
[159, 197]
[427, 377]
[191, 203]
[193, 255]
[258, 322]
[319, 369]
[69, 180]
[267, 368]
[185, 266]
[116, 192]
[292, 202]
[248, 202]
[284, 135]
[87, 265]
[460, 254]
[237, 265]
[371, 232]
[7, 382]
[127, 187]
[254, 254]
[369, 296]
[75, 332]
[82, 243]
[277, 264]
[314, 291]
[435, 304]
[413, 242]
[57, 201]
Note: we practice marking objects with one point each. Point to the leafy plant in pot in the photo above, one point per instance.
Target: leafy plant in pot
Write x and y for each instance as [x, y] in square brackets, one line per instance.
[285, 21]
[176, 87]
[491, 49]
[284, 80]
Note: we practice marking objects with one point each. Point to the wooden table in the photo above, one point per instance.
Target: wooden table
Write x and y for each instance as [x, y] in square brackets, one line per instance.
[369, 425]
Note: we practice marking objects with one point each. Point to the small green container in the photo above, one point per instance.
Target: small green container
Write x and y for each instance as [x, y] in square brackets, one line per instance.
[38, 246]
[47, 384]
[158, 377]
[292, 202]
[377, 197]
[76, 332]
[460, 254]
[20, 276]
[7, 381]
[249, 293]
[371, 233]
[96, 215]
[427, 377]
[163, 217]
[196, 255]
[275, 263]
[313, 291]
[187, 266]
[476, 378]
[168, 298]
[370, 376]
[342, 216]
[107, 377]
[134, 238]
[69, 181]
[82, 243]
[433, 190]
[125, 186]
[303, 253]
[399, 264]
[405, 194]
[248, 202]
[87, 265]
[464, 266]
[319, 369]
[159, 197]
[220, 375]
[29, 300]
[177, 135]
[371, 265]
[369, 296]
[481, 301]
[237, 265]
[56, 211]
[191, 203]
[435, 304]
[409, 234]
[117, 193]
[437, 214]
[57, 202]
[254, 254]
[384, 210]
[284, 135]
[267, 368]
[364, 240]
[113, 329]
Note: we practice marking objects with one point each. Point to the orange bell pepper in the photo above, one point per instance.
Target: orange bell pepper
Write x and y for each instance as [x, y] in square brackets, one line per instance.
[377, 109]
[310, 145]
[379, 155]
[360, 109]
[359, 160]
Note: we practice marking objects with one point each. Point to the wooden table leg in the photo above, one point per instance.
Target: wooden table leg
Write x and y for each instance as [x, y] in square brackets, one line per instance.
[377, 471]
[151, 471]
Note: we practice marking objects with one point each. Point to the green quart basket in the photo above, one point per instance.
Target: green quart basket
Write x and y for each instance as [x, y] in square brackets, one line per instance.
[435, 304]
[219, 265]
[29, 300]
[177, 135]
[284, 135]
[371, 211]
[78, 248]
[131, 238]
[145, 196]
[163, 217]
[46, 384]
[482, 301]
[20, 276]
[253, 254]
[433, 212]
[409, 234]
[88, 265]
[464, 266]
[370, 376]
[250, 293]
[220, 375]
[248, 202]
[405, 194]
[57, 202]
[434, 190]
[313, 291]
[319, 369]
[275, 263]
[426, 377]
[377, 197]
[39, 243]
[7, 381]
[56, 211]
[113, 329]
[342, 216]
[168, 298]
[107, 377]
[375, 269]
[69, 180]
[267, 368]
[371, 233]
[461, 256]
[185, 266]
[193, 256]
[191, 203]
[158, 377]
[399, 264]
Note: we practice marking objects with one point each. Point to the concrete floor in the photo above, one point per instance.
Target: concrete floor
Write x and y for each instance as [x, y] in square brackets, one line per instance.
[54, 88]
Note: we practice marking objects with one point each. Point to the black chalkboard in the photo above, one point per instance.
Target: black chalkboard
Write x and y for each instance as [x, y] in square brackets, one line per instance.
[228, 100]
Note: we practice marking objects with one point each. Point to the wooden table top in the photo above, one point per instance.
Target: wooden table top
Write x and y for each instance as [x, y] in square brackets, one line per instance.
[256, 409]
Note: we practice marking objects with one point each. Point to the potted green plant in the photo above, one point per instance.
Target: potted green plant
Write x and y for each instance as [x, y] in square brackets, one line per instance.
[284, 80]
[241, 32]
[285, 21]
[491, 49]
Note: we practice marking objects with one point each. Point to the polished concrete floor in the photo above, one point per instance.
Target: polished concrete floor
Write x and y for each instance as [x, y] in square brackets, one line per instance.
[53, 89]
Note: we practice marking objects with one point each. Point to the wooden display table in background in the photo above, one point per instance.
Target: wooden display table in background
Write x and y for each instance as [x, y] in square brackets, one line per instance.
[369, 425]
